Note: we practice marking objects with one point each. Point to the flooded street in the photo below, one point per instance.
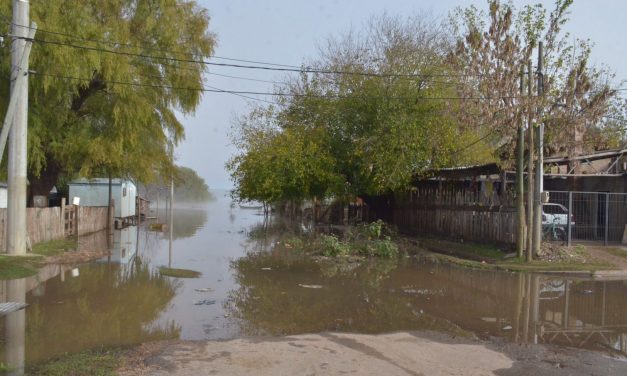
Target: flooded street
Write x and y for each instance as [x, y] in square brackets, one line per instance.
[254, 284]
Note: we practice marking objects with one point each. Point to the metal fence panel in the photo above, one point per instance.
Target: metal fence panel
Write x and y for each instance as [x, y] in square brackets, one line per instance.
[595, 216]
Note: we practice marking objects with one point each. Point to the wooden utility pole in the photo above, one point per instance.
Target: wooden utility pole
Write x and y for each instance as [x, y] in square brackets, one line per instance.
[520, 187]
[530, 157]
[16, 204]
[537, 222]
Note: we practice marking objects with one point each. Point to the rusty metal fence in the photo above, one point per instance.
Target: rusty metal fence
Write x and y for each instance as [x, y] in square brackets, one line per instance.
[594, 216]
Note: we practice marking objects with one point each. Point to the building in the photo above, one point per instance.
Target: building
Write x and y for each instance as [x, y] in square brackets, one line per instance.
[95, 192]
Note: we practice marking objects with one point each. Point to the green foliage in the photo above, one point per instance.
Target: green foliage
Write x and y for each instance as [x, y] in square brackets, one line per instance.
[384, 248]
[14, 267]
[94, 363]
[347, 135]
[55, 247]
[333, 247]
[188, 186]
[373, 229]
[95, 124]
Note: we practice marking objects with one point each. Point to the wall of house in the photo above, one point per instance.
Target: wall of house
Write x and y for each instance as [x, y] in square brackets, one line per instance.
[97, 194]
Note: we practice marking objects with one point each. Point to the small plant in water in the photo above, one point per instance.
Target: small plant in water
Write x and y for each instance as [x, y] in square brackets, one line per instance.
[332, 246]
[373, 230]
[384, 248]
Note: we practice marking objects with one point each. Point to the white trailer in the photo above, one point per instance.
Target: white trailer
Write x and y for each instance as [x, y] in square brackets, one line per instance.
[95, 192]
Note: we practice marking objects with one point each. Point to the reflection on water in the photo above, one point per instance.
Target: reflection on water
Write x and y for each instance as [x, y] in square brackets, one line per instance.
[383, 296]
[102, 306]
[187, 221]
[254, 283]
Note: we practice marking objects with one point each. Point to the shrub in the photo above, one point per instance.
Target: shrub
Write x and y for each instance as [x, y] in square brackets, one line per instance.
[373, 230]
[384, 248]
[332, 246]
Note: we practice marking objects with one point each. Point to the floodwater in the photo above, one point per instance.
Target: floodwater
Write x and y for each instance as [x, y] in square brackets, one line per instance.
[254, 283]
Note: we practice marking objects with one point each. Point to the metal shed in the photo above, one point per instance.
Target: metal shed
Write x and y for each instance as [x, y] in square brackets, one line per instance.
[95, 192]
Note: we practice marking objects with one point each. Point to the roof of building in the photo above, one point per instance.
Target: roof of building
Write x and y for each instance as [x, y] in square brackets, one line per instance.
[99, 181]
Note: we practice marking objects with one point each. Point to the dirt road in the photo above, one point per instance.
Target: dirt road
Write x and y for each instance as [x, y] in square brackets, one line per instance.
[388, 354]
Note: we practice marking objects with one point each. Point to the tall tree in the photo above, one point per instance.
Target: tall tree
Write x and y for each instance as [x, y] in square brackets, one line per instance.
[374, 113]
[104, 94]
[492, 50]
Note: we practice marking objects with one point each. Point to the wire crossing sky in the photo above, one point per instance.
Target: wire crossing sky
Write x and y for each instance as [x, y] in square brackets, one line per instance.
[279, 36]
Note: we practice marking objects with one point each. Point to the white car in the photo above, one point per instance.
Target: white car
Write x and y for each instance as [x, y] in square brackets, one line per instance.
[556, 214]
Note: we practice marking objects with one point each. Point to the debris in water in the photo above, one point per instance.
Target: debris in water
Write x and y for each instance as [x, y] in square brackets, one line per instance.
[205, 302]
[310, 286]
[266, 268]
[205, 289]
[508, 327]
[8, 307]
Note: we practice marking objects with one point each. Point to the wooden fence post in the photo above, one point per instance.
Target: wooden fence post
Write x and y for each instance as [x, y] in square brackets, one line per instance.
[63, 216]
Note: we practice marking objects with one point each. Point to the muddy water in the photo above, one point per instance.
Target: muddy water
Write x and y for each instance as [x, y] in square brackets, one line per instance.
[254, 282]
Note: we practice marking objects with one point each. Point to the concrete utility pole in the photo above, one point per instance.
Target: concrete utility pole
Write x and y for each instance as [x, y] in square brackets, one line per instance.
[537, 197]
[520, 185]
[171, 211]
[16, 206]
[530, 168]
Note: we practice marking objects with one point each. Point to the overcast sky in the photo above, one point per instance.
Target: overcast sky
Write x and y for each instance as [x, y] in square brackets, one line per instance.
[289, 31]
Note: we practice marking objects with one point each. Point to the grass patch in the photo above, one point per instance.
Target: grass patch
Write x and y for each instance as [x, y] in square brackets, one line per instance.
[619, 252]
[179, 273]
[523, 266]
[95, 363]
[14, 267]
[55, 247]
[465, 250]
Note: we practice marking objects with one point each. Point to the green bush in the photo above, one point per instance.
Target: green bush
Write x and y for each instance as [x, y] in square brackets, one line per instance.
[384, 248]
[333, 247]
[373, 230]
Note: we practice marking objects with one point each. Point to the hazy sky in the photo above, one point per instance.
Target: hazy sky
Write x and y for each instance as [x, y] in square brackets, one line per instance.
[289, 31]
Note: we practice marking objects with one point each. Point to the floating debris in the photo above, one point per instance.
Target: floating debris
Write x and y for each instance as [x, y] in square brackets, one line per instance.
[310, 286]
[508, 327]
[205, 302]
[266, 268]
[8, 307]
[159, 227]
[205, 289]
[178, 273]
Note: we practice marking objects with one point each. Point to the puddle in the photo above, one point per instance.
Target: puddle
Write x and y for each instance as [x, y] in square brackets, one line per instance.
[253, 284]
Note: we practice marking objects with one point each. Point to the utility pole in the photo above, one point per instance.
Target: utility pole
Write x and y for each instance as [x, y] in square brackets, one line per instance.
[520, 185]
[171, 205]
[16, 206]
[537, 223]
[530, 157]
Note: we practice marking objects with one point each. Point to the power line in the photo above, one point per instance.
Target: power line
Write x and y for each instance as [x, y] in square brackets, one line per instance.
[278, 94]
[130, 45]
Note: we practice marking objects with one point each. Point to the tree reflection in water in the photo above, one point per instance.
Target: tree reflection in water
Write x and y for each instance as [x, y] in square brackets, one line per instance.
[271, 299]
[375, 296]
[107, 305]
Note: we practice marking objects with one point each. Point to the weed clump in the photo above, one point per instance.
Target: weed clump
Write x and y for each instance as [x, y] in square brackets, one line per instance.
[369, 240]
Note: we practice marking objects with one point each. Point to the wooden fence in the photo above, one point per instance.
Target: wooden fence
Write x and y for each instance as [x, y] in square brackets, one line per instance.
[453, 211]
[44, 224]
